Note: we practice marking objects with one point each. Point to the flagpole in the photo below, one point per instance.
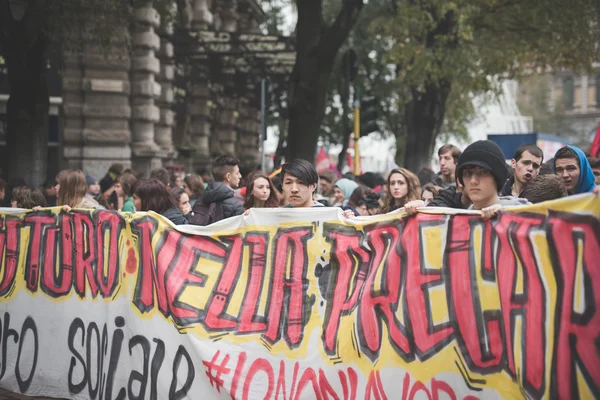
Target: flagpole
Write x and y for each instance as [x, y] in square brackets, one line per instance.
[356, 131]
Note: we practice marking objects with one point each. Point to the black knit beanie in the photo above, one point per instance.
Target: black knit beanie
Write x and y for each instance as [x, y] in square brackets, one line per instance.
[487, 155]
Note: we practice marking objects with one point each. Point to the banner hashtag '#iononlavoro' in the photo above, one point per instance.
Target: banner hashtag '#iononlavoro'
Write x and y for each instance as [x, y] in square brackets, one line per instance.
[302, 305]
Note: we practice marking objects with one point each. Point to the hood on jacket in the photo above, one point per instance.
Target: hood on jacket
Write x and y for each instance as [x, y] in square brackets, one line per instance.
[586, 176]
[216, 192]
[346, 186]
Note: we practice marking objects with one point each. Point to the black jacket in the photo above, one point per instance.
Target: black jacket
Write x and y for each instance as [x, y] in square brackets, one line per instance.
[175, 216]
[217, 192]
[448, 198]
[507, 188]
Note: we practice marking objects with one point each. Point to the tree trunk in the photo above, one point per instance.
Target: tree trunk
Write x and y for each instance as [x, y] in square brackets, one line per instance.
[279, 152]
[317, 45]
[423, 119]
[307, 108]
[25, 52]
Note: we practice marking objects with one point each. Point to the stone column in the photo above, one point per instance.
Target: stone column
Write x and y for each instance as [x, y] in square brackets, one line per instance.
[199, 112]
[72, 114]
[202, 16]
[96, 106]
[225, 133]
[248, 145]
[147, 155]
[248, 148]
[163, 130]
[229, 15]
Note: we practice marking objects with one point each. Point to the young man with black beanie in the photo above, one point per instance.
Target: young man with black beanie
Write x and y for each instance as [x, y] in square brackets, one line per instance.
[483, 171]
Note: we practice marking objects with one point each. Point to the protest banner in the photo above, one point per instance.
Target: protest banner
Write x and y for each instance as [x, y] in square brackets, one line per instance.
[302, 304]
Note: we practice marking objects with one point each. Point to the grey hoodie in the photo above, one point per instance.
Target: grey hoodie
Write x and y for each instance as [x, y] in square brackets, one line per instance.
[509, 201]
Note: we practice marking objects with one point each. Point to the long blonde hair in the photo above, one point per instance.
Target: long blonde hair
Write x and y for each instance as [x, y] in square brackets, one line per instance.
[72, 187]
[413, 193]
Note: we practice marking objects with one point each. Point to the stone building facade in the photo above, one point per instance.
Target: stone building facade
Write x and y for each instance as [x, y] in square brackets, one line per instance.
[578, 97]
[117, 105]
[573, 102]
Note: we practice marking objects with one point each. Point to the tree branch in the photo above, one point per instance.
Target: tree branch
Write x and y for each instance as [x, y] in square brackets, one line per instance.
[335, 35]
[308, 27]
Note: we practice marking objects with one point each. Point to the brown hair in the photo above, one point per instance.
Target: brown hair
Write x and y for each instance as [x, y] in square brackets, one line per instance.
[565, 152]
[356, 196]
[2, 184]
[544, 188]
[223, 165]
[196, 184]
[161, 174]
[116, 168]
[127, 180]
[272, 201]
[177, 193]
[154, 195]
[414, 190]
[28, 198]
[430, 187]
[531, 148]
[72, 187]
[594, 163]
[450, 148]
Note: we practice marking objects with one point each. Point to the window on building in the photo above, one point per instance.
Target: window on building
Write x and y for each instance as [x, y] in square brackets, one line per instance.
[568, 92]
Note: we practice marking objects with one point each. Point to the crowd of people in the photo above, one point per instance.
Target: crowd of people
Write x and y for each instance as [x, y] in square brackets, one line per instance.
[477, 178]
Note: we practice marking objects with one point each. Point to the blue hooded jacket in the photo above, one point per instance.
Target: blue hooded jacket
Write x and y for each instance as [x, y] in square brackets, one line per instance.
[586, 176]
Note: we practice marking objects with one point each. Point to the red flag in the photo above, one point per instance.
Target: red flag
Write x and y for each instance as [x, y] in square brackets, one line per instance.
[322, 160]
[595, 149]
[350, 161]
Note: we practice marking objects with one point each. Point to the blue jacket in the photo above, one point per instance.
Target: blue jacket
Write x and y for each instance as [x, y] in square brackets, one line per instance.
[586, 176]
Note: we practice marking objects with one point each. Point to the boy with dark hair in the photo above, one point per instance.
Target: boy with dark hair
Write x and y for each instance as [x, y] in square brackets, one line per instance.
[544, 188]
[327, 181]
[218, 201]
[547, 167]
[300, 180]
[162, 174]
[111, 177]
[49, 191]
[482, 171]
[595, 164]
[526, 166]
[448, 156]
[572, 166]
[227, 169]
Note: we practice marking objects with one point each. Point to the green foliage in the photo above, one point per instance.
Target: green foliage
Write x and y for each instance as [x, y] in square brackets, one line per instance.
[275, 12]
[466, 42]
[464, 45]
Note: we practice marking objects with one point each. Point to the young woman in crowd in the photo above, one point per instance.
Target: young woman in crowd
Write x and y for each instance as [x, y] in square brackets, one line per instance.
[342, 191]
[369, 203]
[152, 195]
[260, 192]
[403, 186]
[124, 190]
[353, 201]
[72, 188]
[194, 187]
[182, 199]
[428, 192]
[25, 197]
